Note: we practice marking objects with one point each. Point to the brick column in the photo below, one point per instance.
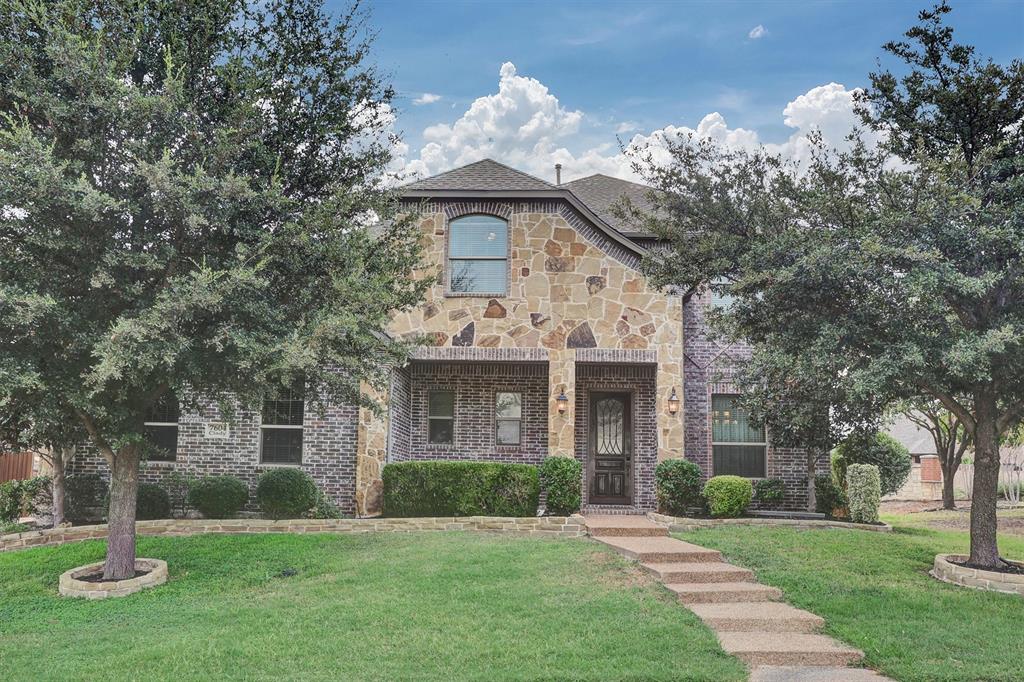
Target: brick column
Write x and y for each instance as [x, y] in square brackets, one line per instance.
[561, 427]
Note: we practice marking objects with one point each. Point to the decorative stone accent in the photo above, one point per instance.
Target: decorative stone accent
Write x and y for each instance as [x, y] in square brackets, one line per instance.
[681, 524]
[539, 319]
[430, 310]
[437, 338]
[457, 314]
[947, 571]
[495, 310]
[490, 341]
[581, 337]
[71, 586]
[596, 283]
[552, 526]
[465, 337]
[559, 264]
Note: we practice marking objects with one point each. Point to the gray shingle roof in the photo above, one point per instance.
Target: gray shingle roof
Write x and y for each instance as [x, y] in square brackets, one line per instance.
[914, 438]
[601, 193]
[481, 175]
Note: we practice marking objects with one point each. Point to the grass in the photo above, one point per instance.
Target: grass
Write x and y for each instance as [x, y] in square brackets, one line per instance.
[373, 607]
[874, 591]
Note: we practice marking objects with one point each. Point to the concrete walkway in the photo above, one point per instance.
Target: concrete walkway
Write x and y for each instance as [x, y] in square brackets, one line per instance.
[777, 641]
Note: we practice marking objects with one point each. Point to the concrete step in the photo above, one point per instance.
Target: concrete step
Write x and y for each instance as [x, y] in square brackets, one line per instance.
[720, 593]
[757, 617]
[621, 525]
[797, 673]
[659, 549]
[791, 649]
[699, 572]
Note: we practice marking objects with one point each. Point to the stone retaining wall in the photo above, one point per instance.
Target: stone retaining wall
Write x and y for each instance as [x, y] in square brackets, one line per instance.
[947, 571]
[549, 526]
[679, 524]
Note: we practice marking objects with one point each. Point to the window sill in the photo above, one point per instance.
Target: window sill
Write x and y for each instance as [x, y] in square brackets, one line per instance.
[280, 465]
[456, 294]
[160, 462]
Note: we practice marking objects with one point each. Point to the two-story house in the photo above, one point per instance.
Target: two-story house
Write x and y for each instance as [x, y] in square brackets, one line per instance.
[542, 337]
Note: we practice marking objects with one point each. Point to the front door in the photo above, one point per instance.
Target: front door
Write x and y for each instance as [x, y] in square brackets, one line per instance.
[610, 449]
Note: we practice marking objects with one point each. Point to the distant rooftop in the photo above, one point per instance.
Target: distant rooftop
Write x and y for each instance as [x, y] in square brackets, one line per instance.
[601, 193]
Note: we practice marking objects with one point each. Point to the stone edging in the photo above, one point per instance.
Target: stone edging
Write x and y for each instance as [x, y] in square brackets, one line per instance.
[680, 523]
[70, 586]
[550, 526]
[949, 572]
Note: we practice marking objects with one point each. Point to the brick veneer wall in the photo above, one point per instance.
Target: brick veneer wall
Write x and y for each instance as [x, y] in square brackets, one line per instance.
[475, 385]
[400, 414]
[707, 368]
[640, 381]
[328, 451]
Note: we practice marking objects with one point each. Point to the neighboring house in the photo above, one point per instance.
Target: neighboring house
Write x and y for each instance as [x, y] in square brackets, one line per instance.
[542, 338]
[925, 479]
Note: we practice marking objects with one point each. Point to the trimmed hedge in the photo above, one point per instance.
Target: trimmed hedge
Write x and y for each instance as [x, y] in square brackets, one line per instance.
[460, 489]
[84, 497]
[882, 450]
[562, 478]
[677, 485]
[864, 488]
[218, 497]
[728, 496]
[828, 496]
[286, 493]
[152, 502]
[769, 491]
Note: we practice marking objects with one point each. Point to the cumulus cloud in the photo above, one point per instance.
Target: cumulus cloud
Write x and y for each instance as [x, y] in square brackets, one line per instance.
[758, 31]
[426, 98]
[525, 126]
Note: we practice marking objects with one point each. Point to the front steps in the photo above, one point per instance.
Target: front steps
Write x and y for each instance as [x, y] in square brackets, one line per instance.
[779, 642]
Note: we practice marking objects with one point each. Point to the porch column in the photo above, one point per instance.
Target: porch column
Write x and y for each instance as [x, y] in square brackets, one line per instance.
[561, 427]
[670, 375]
[371, 454]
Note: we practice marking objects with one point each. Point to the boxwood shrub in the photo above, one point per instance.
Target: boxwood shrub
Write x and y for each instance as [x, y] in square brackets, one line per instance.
[728, 496]
[218, 497]
[769, 491]
[286, 493]
[829, 498]
[864, 489]
[677, 485]
[562, 478]
[460, 489]
[152, 502]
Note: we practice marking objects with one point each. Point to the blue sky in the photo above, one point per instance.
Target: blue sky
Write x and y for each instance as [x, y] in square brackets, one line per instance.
[592, 71]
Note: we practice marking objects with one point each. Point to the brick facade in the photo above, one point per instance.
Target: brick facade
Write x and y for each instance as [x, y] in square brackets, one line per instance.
[328, 451]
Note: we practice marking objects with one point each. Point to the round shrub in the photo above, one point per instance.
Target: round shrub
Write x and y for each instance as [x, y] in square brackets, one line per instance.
[218, 497]
[562, 477]
[728, 496]
[769, 491]
[829, 499]
[286, 493]
[152, 502]
[882, 450]
[677, 484]
[84, 496]
[864, 488]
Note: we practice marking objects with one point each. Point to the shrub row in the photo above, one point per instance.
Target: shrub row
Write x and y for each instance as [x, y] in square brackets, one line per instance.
[447, 488]
[19, 498]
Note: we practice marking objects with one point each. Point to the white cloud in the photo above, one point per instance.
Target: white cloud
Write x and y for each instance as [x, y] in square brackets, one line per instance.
[758, 31]
[427, 98]
[525, 126]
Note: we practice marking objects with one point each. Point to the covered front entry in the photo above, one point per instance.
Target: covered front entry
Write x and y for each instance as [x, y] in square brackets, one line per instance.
[610, 448]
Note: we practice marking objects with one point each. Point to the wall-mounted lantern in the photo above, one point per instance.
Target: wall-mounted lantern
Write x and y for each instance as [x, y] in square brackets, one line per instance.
[673, 402]
[563, 401]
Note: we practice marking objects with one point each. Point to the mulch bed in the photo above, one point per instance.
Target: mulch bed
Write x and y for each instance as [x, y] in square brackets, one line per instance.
[1009, 568]
[97, 577]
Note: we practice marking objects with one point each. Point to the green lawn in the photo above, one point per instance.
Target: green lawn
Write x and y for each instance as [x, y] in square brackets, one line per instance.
[375, 607]
[874, 592]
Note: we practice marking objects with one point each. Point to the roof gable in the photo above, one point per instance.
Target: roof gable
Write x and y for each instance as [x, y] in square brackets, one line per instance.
[481, 175]
[601, 193]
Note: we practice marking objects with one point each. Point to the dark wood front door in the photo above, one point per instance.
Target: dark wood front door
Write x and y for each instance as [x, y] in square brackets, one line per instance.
[610, 449]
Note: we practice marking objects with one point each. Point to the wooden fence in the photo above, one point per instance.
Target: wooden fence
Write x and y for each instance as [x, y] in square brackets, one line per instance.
[15, 466]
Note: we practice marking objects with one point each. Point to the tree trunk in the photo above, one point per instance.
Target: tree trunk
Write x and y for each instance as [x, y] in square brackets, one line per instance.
[948, 501]
[57, 461]
[984, 550]
[124, 486]
[812, 498]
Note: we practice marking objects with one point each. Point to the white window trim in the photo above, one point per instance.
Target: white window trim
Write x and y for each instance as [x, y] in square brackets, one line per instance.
[455, 433]
[165, 462]
[448, 260]
[497, 419]
[763, 444]
[302, 450]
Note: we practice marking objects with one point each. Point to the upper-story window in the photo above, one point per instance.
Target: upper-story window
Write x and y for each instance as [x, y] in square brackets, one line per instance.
[721, 293]
[478, 255]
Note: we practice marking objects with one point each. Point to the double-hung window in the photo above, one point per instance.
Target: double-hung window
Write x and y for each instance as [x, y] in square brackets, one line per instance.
[441, 417]
[281, 427]
[161, 427]
[508, 418]
[738, 447]
[478, 255]
[721, 295]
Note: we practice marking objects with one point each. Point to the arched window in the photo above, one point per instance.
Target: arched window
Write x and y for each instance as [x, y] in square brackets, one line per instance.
[478, 255]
